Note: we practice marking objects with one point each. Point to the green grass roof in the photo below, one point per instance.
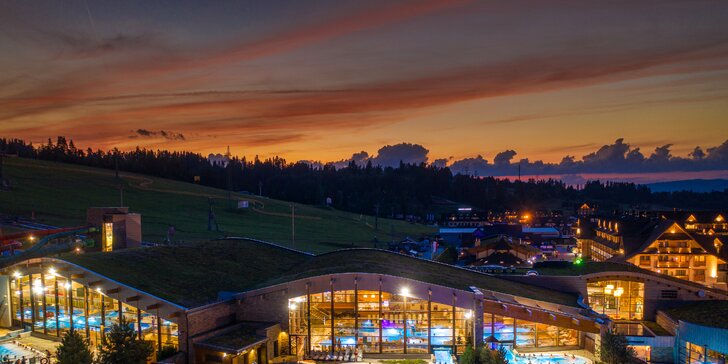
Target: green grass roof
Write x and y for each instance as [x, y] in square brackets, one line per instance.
[706, 313]
[194, 275]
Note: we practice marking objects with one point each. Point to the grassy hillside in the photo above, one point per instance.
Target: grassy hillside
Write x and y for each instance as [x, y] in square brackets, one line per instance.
[60, 193]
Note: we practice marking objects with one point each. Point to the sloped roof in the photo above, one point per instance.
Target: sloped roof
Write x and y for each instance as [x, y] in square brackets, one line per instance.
[504, 259]
[703, 217]
[638, 244]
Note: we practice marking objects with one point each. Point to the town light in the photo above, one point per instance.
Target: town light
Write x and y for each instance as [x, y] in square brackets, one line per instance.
[52, 271]
[67, 285]
[468, 315]
[404, 292]
[17, 274]
[292, 306]
[31, 238]
[618, 292]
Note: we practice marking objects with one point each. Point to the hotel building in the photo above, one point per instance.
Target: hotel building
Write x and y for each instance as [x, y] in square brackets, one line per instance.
[686, 248]
[240, 301]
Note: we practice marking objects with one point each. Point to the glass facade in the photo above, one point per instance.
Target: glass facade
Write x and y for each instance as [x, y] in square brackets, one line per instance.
[396, 323]
[376, 323]
[51, 304]
[526, 334]
[693, 354]
[618, 299]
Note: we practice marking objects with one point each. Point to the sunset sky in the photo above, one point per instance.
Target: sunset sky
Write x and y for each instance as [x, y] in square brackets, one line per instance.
[321, 80]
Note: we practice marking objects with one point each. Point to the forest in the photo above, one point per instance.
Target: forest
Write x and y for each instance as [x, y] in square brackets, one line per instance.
[407, 191]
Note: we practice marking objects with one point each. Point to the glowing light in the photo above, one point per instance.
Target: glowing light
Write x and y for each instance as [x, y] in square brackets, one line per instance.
[618, 292]
[31, 238]
[67, 285]
[404, 292]
[608, 289]
[78, 250]
[37, 286]
[17, 274]
[292, 306]
[98, 289]
[52, 271]
[468, 315]
[298, 299]
[578, 261]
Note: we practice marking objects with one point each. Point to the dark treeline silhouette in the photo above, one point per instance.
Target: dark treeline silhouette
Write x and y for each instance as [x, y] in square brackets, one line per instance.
[406, 190]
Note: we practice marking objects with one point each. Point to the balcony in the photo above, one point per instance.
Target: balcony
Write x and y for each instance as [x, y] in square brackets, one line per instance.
[673, 265]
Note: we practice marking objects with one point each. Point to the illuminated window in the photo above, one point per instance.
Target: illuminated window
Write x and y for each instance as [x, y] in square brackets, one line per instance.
[108, 243]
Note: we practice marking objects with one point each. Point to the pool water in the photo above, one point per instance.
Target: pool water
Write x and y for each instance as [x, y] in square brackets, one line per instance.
[545, 358]
[443, 357]
[13, 351]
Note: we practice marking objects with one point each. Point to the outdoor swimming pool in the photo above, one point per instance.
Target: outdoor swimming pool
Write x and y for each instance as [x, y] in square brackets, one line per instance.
[546, 358]
[13, 351]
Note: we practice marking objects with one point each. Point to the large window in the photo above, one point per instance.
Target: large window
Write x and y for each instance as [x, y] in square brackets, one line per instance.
[691, 353]
[619, 299]
[390, 323]
[51, 304]
[399, 323]
[369, 322]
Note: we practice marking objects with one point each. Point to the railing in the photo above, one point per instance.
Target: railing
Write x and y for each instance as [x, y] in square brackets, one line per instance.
[673, 264]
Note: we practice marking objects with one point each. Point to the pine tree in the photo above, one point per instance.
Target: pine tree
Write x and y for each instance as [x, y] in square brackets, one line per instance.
[614, 350]
[74, 349]
[469, 356]
[122, 346]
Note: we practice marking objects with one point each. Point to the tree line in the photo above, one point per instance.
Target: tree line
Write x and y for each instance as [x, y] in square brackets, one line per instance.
[407, 190]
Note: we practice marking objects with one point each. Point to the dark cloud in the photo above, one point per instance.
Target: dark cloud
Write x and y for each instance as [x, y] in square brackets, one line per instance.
[697, 153]
[389, 156]
[441, 163]
[504, 158]
[169, 135]
[392, 155]
[473, 166]
[618, 157]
